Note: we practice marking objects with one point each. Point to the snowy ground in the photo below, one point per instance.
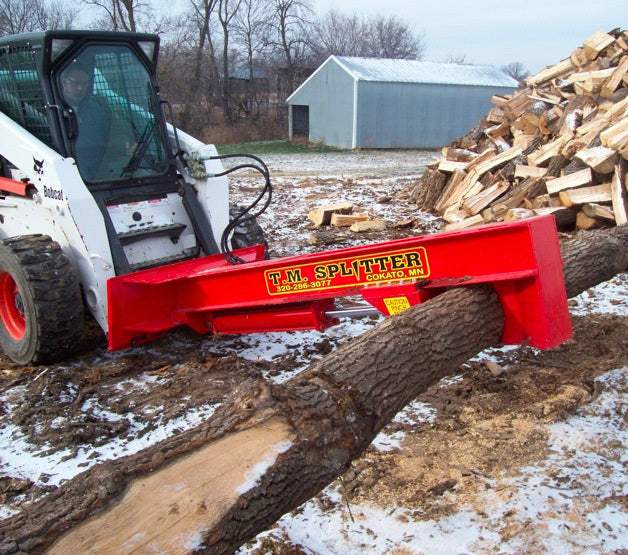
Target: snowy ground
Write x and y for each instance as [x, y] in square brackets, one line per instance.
[571, 497]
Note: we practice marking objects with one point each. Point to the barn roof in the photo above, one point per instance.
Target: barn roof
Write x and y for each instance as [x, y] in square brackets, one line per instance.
[413, 71]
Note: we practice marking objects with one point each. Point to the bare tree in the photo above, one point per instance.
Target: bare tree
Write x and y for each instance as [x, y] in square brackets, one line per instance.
[227, 10]
[251, 28]
[457, 59]
[390, 37]
[202, 12]
[516, 71]
[126, 15]
[22, 16]
[376, 37]
[337, 34]
[290, 23]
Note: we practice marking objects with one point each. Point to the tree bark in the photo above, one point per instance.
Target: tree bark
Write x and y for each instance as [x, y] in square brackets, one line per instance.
[197, 491]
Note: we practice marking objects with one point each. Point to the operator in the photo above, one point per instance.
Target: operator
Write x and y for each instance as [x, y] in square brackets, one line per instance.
[92, 116]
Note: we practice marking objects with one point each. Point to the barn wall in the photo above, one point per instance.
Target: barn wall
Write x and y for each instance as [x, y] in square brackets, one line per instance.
[329, 94]
[417, 115]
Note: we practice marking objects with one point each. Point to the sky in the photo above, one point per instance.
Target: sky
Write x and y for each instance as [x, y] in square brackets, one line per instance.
[535, 33]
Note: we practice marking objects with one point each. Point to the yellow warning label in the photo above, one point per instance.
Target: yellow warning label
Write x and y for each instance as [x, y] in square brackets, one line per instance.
[396, 304]
[347, 272]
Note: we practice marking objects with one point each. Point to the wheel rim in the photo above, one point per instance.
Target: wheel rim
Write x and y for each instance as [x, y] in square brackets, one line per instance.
[11, 307]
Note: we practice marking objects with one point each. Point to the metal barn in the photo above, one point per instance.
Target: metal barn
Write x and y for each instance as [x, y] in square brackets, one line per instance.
[375, 103]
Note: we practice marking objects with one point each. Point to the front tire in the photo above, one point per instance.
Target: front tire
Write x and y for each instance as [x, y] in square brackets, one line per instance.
[247, 232]
[41, 311]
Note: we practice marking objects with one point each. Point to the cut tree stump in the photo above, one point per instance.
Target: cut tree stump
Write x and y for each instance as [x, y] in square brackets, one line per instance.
[271, 447]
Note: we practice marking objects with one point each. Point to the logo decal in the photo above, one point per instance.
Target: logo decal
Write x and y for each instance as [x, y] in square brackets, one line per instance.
[56, 194]
[38, 166]
[349, 272]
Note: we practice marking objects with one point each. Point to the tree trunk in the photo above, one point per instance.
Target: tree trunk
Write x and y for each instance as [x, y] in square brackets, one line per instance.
[271, 447]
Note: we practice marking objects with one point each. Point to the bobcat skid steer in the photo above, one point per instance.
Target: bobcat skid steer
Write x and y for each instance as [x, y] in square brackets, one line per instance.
[105, 205]
[94, 184]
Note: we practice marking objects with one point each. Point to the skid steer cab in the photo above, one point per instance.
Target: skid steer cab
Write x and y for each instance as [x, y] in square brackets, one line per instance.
[105, 205]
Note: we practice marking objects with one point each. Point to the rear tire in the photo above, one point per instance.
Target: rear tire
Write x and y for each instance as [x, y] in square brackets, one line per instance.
[41, 311]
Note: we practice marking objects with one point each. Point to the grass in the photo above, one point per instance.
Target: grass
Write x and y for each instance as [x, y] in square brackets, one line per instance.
[273, 147]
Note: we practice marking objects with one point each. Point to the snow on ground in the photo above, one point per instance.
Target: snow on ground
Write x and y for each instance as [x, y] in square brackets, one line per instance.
[584, 447]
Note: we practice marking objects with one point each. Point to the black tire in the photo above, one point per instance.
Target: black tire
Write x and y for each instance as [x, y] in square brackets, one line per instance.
[248, 232]
[41, 310]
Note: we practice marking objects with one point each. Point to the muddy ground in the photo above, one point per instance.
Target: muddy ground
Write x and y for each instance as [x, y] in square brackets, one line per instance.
[489, 420]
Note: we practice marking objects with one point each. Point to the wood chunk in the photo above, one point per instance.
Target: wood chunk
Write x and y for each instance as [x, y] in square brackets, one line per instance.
[475, 204]
[583, 195]
[497, 131]
[448, 166]
[576, 179]
[454, 181]
[543, 154]
[370, 225]
[515, 214]
[616, 135]
[551, 72]
[585, 222]
[523, 140]
[454, 214]
[598, 211]
[600, 158]
[463, 186]
[496, 115]
[618, 198]
[549, 120]
[345, 220]
[579, 58]
[599, 75]
[498, 100]
[322, 214]
[516, 105]
[611, 84]
[529, 171]
[464, 224]
[617, 110]
[597, 42]
[459, 154]
[497, 160]
[565, 216]
[546, 97]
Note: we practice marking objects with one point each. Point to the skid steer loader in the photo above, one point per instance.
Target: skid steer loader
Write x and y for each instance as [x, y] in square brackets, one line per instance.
[93, 184]
[105, 205]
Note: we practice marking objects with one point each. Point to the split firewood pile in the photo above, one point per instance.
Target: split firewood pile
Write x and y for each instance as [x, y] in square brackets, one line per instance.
[559, 145]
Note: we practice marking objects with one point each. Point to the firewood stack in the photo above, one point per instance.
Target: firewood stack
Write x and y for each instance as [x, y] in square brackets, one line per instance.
[558, 145]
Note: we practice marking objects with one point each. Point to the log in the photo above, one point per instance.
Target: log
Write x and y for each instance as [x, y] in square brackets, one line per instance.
[428, 189]
[296, 437]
